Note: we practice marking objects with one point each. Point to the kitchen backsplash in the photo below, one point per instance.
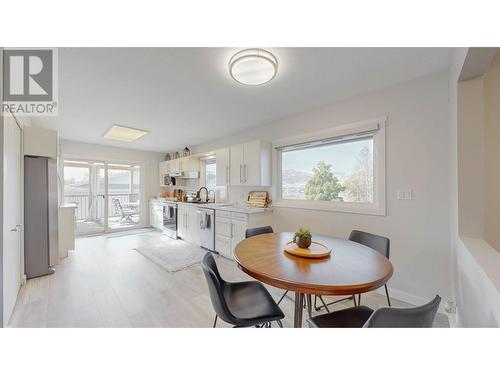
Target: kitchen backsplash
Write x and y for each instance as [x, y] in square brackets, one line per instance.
[233, 194]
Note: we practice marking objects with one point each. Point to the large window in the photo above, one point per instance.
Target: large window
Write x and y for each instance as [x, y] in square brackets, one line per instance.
[210, 174]
[334, 172]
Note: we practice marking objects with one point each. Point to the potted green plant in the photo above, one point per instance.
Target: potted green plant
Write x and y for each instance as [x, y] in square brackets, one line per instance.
[302, 238]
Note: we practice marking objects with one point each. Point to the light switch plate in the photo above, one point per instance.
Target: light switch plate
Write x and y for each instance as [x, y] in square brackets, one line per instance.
[405, 194]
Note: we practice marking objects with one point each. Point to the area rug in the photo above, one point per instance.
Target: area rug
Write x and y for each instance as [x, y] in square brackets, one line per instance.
[172, 255]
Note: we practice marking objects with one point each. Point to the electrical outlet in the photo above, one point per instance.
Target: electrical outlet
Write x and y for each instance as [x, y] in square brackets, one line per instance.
[405, 195]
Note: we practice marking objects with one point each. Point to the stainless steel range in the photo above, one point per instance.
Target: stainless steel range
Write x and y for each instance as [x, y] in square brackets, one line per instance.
[170, 219]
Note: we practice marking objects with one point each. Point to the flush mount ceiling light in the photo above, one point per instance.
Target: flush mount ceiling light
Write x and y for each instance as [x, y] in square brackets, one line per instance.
[124, 133]
[253, 66]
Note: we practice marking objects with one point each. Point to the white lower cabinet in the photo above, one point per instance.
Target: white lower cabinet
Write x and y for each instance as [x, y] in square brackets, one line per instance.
[223, 246]
[187, 224]
[230, 229]
[155, 214]
[239, 228]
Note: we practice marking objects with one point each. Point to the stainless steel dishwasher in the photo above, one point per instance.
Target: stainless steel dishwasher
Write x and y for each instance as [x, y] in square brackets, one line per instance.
[206, 228]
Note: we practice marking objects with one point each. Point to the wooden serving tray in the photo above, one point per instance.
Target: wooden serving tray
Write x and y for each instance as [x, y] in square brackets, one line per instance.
[316, 250]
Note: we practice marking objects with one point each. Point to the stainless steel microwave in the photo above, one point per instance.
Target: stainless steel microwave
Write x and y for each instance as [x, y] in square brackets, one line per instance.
[168, 180]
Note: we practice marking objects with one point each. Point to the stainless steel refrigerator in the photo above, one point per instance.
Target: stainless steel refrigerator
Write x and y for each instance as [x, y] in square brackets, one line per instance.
[40, 216]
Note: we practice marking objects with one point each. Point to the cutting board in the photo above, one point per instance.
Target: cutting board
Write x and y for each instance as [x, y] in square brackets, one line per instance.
[259, 199]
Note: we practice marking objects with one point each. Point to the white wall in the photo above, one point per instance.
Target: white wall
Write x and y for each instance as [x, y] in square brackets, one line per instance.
[475, 263]
[417, 157]
[477, 295]
[150, 174]
[492, 154]
[471, 158]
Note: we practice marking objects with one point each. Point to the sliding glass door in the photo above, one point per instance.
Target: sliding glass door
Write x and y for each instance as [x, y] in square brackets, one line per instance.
[124, 196]
[106, 195]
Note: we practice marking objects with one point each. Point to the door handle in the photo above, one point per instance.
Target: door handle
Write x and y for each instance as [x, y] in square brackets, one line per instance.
[18, 225]
[13, 230]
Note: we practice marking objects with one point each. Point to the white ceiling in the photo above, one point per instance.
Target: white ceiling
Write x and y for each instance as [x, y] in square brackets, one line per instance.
[185, 96]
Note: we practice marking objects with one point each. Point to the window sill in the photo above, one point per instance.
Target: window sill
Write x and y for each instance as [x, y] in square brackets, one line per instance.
[352, 208]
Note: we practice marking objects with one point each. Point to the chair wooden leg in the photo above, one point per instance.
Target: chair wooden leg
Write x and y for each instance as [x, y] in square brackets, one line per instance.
[215, 321]
[387, 294]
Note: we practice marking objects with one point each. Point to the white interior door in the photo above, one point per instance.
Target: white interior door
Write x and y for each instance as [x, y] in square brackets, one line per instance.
[12, 219]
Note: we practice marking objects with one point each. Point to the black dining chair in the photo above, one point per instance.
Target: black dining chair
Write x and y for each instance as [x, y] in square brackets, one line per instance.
[242, 304]
[378, 243]
[384, 317]
[250, 232]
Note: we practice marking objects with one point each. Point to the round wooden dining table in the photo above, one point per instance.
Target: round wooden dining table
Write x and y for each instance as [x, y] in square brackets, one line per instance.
[351, 268]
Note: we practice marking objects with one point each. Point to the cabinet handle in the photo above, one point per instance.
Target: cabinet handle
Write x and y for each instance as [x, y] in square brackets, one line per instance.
[245, 172]
[240, 173]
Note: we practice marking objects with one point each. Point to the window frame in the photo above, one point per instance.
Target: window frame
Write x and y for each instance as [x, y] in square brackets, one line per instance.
[376, 127]
[207, 161]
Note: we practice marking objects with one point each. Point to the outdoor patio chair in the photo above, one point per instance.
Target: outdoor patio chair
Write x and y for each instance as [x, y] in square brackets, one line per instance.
[126, 214]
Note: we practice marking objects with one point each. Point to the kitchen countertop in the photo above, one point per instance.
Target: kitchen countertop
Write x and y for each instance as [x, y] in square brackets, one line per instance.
[223, 207]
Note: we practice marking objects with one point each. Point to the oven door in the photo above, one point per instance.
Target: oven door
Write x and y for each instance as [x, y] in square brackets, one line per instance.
[170, 220]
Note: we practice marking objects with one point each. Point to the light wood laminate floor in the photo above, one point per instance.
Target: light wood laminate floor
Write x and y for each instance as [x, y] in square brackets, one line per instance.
[105, 283]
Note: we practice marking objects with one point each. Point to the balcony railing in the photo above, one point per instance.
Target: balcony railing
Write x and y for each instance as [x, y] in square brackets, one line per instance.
[84, 212]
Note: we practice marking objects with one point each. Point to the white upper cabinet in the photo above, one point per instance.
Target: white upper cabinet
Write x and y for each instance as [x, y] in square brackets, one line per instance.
[222, 167]
[190, 165]
[174, 165]
[251, 164]
[236, 164]
[164, 169]
[186, 164]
